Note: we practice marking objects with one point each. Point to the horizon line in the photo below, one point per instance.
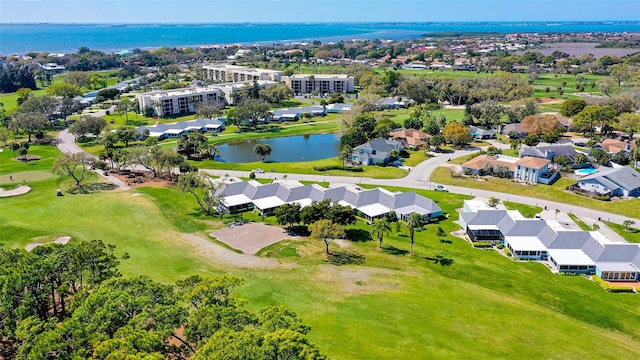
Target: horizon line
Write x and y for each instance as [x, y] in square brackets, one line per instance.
[319, 22]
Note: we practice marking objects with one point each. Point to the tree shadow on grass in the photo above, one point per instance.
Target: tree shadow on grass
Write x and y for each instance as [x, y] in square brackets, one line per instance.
[439, 259]
[358, 235]
[340, 258]
[445, 241]
[392, 250]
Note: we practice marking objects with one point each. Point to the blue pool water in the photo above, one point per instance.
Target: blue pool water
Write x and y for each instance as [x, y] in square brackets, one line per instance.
[585, 171]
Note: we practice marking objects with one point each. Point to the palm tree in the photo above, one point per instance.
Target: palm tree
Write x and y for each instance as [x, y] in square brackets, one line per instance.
[379, 228]
[414, 221]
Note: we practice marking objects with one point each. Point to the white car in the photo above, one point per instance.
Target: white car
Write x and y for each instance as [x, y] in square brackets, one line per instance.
[258, 171]
[441, 188]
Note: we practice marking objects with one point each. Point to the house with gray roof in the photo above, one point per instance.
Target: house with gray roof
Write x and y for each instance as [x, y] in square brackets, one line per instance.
[481, 134]
[549, 152]
[294, 114]
[564, 251]
[376, 151]
[177, 129]
[623, 181]
[369, 204]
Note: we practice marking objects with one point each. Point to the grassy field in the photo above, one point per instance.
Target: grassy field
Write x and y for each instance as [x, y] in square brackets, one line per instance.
[527, 211]
[304, 167]
[553, 192]
[471, 304]
[632, 236]
[581, 224]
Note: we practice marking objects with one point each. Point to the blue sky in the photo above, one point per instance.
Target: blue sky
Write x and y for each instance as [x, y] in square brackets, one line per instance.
[145, 11]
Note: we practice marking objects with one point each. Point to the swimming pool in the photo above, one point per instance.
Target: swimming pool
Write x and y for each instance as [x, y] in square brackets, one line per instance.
[583, 172]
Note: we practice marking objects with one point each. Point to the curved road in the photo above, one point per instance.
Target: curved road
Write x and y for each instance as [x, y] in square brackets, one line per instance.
[418, 178]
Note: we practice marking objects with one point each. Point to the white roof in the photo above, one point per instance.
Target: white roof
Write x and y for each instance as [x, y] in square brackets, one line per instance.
[530, 243]
[193, 128]
[174, 131]
[483, 227]
[268, 202]
[374, 210]
[475, 205]
[412, 209]
[600, 237]
[235, 200]
[570, 257]
[155, 133]
[215, 126]
[515, 215]
[616, 266]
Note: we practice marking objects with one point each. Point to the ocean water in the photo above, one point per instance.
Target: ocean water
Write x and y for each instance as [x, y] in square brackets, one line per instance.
[22, 38]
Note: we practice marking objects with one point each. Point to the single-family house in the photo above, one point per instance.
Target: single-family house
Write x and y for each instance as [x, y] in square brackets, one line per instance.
[410, 138]
[376, 151]
[482, 164]
[392, 103]
[535, 170]
[549, 152]
[513, 131]
[481, 134]
[623, 181]
[613, 146]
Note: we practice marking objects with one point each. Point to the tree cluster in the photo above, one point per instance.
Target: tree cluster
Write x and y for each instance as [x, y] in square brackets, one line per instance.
[68, 302]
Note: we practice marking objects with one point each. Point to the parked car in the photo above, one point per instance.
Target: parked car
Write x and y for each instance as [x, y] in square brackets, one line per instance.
[258, 171]
[580, 144]
[441, 188]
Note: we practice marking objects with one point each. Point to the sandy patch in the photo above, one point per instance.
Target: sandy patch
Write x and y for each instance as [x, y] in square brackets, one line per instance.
[251, 237]
[19, 190]
[344, 244]
[60, 240]
[219, 255]
[356, 280]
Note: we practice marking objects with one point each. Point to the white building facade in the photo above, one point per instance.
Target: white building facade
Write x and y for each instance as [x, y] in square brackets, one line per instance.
[235, 73]
[321, 83]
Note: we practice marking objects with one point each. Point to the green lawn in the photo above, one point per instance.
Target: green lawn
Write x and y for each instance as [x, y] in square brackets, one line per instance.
[527, 211]
[581, 224]
[553, 192]
[479, 305]
[303, 167]
[632, 236]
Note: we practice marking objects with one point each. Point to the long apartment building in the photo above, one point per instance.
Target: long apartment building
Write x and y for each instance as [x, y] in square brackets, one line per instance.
[235, 73]
[177, 101]
[185, 100]
[321, 83]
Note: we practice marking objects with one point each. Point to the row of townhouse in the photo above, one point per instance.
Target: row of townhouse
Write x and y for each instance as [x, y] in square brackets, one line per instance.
[564, 251]
[369, 204]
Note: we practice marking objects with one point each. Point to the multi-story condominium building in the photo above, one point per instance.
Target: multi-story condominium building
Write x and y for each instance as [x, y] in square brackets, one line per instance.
[177, 101]
[321, 83]
[235, 73]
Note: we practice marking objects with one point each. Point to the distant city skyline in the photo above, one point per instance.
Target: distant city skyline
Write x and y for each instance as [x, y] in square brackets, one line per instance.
[217, 11]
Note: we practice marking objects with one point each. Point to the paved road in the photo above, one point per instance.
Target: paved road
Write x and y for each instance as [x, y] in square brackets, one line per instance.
[66, 144]
[418, 177]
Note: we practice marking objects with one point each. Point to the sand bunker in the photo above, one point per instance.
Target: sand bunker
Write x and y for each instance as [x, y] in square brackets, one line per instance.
[61, 240]
[20, 190]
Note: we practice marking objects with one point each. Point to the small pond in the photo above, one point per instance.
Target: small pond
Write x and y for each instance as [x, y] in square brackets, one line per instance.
[284, 149]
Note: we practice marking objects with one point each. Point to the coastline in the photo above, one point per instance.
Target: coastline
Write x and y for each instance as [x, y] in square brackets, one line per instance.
[67, 38]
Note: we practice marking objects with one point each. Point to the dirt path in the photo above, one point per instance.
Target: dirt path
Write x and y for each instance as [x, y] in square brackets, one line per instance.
[19, 190]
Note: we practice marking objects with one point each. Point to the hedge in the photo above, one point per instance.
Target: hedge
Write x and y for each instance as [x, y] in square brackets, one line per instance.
[482, 244]
[338, 167]
[609, 288]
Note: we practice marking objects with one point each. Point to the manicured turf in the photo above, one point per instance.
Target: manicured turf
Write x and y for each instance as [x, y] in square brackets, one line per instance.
[6, 179]
[553, 192]
[581, 224]
[632, 236]
[471, 304]
[527, 211]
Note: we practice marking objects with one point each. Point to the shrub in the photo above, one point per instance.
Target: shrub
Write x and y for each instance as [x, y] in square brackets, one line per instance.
[500, 246]
[507, 252]
[482, 244]
[338, 167]
[252, 175]
[612, 289]
[107, 112]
